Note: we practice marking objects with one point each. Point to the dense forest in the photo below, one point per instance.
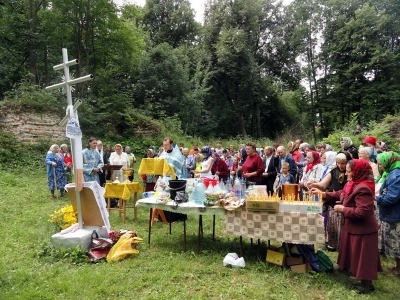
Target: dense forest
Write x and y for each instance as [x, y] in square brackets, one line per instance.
[254, 68]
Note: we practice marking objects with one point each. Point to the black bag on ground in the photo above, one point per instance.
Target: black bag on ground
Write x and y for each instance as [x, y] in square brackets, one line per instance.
[173, 217]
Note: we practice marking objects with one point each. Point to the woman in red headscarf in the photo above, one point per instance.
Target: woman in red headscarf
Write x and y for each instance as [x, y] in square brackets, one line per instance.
[358, 248]
[313, 169]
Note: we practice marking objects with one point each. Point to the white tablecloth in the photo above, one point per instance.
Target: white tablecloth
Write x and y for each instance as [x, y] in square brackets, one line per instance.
[183, 208]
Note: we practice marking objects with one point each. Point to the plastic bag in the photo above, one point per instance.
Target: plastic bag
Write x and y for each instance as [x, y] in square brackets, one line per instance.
[125, 247]
[233, 260]
[99, 247]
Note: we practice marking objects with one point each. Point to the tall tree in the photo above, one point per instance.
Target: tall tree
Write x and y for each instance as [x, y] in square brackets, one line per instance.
[307, 36]
[170, 21]
[362, 63]
[246, 55]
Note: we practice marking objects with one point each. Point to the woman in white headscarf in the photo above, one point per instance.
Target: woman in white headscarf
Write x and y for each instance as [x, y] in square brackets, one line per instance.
[328, 160]
[366, 153]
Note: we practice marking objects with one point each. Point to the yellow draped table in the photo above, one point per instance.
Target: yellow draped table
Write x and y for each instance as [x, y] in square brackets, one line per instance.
[123, 192]
[156, 166]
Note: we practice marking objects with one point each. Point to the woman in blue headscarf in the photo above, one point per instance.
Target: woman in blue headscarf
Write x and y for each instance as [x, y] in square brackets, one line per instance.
[206, 164]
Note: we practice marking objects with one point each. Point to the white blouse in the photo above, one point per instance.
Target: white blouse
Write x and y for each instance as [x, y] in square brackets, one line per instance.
[204, 166]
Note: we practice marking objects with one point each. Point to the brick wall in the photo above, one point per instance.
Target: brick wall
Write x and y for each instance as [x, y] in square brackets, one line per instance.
[31, 127]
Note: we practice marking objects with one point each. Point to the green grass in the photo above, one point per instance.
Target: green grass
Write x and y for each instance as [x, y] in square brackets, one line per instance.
[31, 269]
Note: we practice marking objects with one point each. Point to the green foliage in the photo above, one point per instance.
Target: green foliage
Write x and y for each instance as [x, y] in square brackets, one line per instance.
[74, 255]
[30, 97]
[14, 154]
[379, 130]
[162, 87]
[170, 21]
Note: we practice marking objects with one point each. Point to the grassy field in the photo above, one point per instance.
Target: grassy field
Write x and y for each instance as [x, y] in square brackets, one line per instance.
[31, 269]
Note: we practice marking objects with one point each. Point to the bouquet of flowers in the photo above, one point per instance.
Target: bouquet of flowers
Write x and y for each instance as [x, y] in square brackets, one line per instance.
[64, 217]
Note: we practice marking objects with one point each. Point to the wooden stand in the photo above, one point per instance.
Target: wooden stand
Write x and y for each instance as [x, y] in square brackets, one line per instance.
[111, 168]
[158, 212]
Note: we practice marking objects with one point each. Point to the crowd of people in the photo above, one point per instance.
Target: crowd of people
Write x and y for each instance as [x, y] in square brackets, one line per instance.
[353, 184]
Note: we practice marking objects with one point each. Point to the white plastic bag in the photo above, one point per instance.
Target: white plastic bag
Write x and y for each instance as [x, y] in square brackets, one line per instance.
[233, 260]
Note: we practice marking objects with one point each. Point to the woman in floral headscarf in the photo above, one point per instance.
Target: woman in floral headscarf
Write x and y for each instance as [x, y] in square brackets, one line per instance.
[388, 201]
[358, 250]
[334, 180]
[347, 146]
[219, 167]
[313, 169]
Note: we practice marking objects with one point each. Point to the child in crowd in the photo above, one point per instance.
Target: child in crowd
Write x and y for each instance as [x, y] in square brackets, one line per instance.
[284, 178]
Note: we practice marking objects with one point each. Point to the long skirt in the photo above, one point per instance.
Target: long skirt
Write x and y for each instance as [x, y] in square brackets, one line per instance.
[60, 180]
[333, 228]
[359, 254]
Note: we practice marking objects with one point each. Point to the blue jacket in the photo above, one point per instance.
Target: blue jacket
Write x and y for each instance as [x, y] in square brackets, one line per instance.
[389, 198]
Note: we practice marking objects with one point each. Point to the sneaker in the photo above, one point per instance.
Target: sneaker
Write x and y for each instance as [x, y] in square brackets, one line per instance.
[330, 248]
[53, 197]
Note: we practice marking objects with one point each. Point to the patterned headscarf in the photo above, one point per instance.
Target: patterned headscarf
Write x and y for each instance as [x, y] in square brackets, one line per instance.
[347, 142]
[206, 151]
[362, 173]
[216, 155]
[316, 160]
[389, 161]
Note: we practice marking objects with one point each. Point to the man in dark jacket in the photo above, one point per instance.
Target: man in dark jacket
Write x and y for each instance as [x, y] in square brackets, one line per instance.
[269, 175]
[283, 157]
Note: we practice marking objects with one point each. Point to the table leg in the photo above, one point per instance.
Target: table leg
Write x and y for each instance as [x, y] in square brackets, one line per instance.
[201, 225]
[123, 211]
[213, 227]
[184, 234]
[241, 246]
[108, 205]
[134, 206]
[200, 230]
[170, 228]
[151, 213]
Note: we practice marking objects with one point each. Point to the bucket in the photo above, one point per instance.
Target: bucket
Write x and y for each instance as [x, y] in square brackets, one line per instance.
[207, 181]
[290, 190]
[176, 186]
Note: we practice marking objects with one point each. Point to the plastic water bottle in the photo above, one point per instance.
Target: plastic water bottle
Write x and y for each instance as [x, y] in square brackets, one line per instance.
[238, 189]
[228, 187]
[243, 183]
[189, 190]
[199, 193]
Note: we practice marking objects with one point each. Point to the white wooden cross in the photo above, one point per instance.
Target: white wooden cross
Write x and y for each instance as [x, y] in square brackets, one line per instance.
[72, 116]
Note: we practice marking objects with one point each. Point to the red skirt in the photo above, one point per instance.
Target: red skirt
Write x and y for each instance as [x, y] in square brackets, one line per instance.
[359, 254]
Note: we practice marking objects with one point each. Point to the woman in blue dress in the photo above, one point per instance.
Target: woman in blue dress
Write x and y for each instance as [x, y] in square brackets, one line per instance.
[56, 178]
[92, 161]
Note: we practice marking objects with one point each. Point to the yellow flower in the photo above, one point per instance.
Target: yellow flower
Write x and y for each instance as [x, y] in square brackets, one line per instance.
[64, 217]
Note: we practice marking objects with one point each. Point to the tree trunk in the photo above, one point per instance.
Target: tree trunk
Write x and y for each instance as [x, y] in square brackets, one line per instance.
[258, 121]
[242, 126]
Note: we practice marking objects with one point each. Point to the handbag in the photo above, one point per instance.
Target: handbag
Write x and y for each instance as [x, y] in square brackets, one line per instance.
[181, 197]
[99, 247]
